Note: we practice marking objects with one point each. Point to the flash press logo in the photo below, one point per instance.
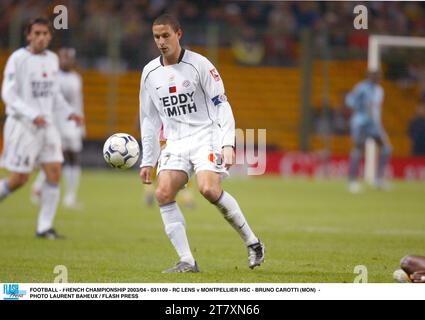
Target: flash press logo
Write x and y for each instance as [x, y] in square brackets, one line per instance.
[12, 292]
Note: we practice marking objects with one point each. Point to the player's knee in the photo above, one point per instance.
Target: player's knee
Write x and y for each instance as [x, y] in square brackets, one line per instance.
[17, 181]
[54, 178]
[53, 175]
[210, 192]
[23, 179]
[71, 158]
[164, 195]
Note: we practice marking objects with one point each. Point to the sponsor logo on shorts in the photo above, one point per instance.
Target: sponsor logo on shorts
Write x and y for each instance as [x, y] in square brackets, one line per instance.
[216, 159]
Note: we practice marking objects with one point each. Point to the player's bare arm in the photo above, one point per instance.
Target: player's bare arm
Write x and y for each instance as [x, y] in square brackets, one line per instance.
[40, 121]
[78, 119]
[228, 154]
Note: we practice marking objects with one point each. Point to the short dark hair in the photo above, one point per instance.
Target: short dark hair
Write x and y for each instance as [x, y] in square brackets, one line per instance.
[169, 19]
[40, 20]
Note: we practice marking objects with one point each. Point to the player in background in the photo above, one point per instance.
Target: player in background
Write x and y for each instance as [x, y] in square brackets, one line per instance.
[71, 86]
[413, 270]
[183, 92]
[366, 100]
[186, 193]
[31, 92]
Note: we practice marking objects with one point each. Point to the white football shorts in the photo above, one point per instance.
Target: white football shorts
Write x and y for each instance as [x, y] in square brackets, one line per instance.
[71, 136]
[192, 154]
[26, 146]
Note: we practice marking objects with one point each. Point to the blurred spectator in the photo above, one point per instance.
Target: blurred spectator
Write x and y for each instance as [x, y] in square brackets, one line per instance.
[155, 8]
[279, 43]
[250, 26]
[256, 15]
[336, 16]
[306, 13]
[358, 39]
[191, 19]
[7, 9]
[399, 21]
[415, 14]
[324, 128]
[417, 131]
[97, 27]
[324, 120]
[134, 31]
[341, 121]
[422, 90]
[247, 47]
[32, 8]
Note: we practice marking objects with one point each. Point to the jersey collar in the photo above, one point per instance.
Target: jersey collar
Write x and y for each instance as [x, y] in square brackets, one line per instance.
[42, 53]
[178, 61]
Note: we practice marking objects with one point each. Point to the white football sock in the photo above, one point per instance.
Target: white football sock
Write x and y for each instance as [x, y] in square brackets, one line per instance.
[229, 207]
[50, 195]
[39, 181]
[67, 177]
[72, 181]
[175, 228]
[4, 189]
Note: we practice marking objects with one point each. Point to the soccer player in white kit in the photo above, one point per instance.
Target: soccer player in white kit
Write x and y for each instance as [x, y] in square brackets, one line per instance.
[71, 86]
[183, 92]
[30, 91]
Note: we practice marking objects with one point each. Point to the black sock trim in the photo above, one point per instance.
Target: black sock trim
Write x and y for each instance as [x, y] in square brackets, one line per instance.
[52, 185]
[165, 205]
[219, 198]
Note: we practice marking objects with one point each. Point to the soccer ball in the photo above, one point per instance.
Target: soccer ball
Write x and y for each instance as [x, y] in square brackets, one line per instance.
[121, 151]
[401, 276]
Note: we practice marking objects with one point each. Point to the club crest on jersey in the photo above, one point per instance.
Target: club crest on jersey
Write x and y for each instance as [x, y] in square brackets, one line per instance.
[215, 74]
[186, 83]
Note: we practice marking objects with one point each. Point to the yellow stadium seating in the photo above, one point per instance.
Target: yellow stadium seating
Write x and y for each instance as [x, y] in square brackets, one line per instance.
[261, 97]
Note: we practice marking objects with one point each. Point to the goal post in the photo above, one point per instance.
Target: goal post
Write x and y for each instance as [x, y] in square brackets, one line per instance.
[376, 43]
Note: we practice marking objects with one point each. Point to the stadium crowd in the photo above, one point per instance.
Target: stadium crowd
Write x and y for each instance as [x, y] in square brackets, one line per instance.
[259, 32]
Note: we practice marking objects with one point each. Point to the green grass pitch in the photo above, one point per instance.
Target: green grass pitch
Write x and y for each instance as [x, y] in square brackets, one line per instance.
[314, 231]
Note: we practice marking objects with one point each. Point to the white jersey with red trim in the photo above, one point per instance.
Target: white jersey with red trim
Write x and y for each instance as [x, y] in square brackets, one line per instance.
[30, 87]
[186, 98]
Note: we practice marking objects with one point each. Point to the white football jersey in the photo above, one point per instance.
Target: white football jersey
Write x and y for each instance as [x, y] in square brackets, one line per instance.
[185, 99]
[30, 86]
[71, 86]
